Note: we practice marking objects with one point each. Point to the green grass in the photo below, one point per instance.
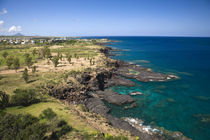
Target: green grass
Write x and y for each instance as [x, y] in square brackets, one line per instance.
[12, 81]
[62, 111]
[81, 51]
[19, 53]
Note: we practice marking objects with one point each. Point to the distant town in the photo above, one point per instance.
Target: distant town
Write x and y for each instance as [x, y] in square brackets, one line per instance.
[31, 39]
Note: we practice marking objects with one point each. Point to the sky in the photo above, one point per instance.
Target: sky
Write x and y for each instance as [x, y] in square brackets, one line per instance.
[105, 17]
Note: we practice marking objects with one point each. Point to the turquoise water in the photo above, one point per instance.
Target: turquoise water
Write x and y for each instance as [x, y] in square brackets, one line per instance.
[172, 104]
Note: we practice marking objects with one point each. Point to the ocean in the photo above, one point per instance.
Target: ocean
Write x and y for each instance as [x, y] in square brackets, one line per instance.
[180, 105]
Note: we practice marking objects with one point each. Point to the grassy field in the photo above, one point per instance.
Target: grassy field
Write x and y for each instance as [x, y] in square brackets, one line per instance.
[64, 112]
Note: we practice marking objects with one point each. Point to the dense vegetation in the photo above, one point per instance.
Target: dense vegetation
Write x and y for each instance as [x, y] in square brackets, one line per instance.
[24, 97]
[27, 127]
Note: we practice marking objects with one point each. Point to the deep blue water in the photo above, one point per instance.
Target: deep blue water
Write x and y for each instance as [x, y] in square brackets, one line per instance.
[174, 104]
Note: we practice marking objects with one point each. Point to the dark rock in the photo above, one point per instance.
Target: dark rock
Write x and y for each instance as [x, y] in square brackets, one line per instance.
[119, 81]
[69, 93]
[96, 105]
[140, 73]
[121, 124]
[114, 98]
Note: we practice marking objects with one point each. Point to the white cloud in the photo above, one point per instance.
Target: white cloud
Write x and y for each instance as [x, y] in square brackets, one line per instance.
[15, 29]
[3, 11]
[1, 22]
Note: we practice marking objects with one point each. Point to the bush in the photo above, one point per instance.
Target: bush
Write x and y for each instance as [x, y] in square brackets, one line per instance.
[4, 100]
[25, 75]
[34, 52]
[28, 60]
[16, 63]
[64, 130]
[9, 61]
[55, 60]
[69, 59]
[48, 114]
[34, 69]
[21, 127]
[46, 52]
[82, 108]
[61, 123]
[110, 137]
[5, 54]
[24, 97]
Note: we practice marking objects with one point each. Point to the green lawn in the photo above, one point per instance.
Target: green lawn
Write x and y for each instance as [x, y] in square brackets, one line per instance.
[63, 112]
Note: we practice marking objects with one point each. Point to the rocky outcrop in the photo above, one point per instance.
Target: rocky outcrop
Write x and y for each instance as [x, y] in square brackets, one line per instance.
[140, 73]
[69, 93]
[119, 81]
[96, 105]
[121, 124]
[114, 98]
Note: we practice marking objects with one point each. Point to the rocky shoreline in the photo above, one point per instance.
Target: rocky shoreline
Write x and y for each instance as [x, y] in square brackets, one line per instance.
[95, 92]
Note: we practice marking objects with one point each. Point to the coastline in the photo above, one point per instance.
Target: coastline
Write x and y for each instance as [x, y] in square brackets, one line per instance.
[95, 92]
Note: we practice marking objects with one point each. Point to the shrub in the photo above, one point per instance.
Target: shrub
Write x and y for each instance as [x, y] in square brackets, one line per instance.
[9, 61]
[137, 138]
[25, 75]
[24, 97]
[55, 60]
[4, 100]
[16, 63]
[48, 114]
[59, 55]
[61, 123]
[110, 137]
[69, 59]
[5, 54]
[46, 52]
[34, 52]
[28, 61]
[33, 69]
[64, 129]
[82, 108]
[21, 127]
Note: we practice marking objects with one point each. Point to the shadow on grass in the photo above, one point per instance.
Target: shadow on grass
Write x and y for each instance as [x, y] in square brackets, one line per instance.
[31, 81]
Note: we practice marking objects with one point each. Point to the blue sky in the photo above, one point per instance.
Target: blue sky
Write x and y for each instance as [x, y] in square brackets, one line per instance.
[106, 17]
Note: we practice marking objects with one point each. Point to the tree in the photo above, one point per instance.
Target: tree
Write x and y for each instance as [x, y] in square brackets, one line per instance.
[16, 63]
[26, 55]
[4, 100]
[21, 127]
[46, 52]
[33, 69]
[55, 61]
[24, 97]
[34, 52]
[9, 61]
[60, 56]
[75, 55]
[48, 114]
[25, 75]
[69, 59]
[5, 54]
[28, 61]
